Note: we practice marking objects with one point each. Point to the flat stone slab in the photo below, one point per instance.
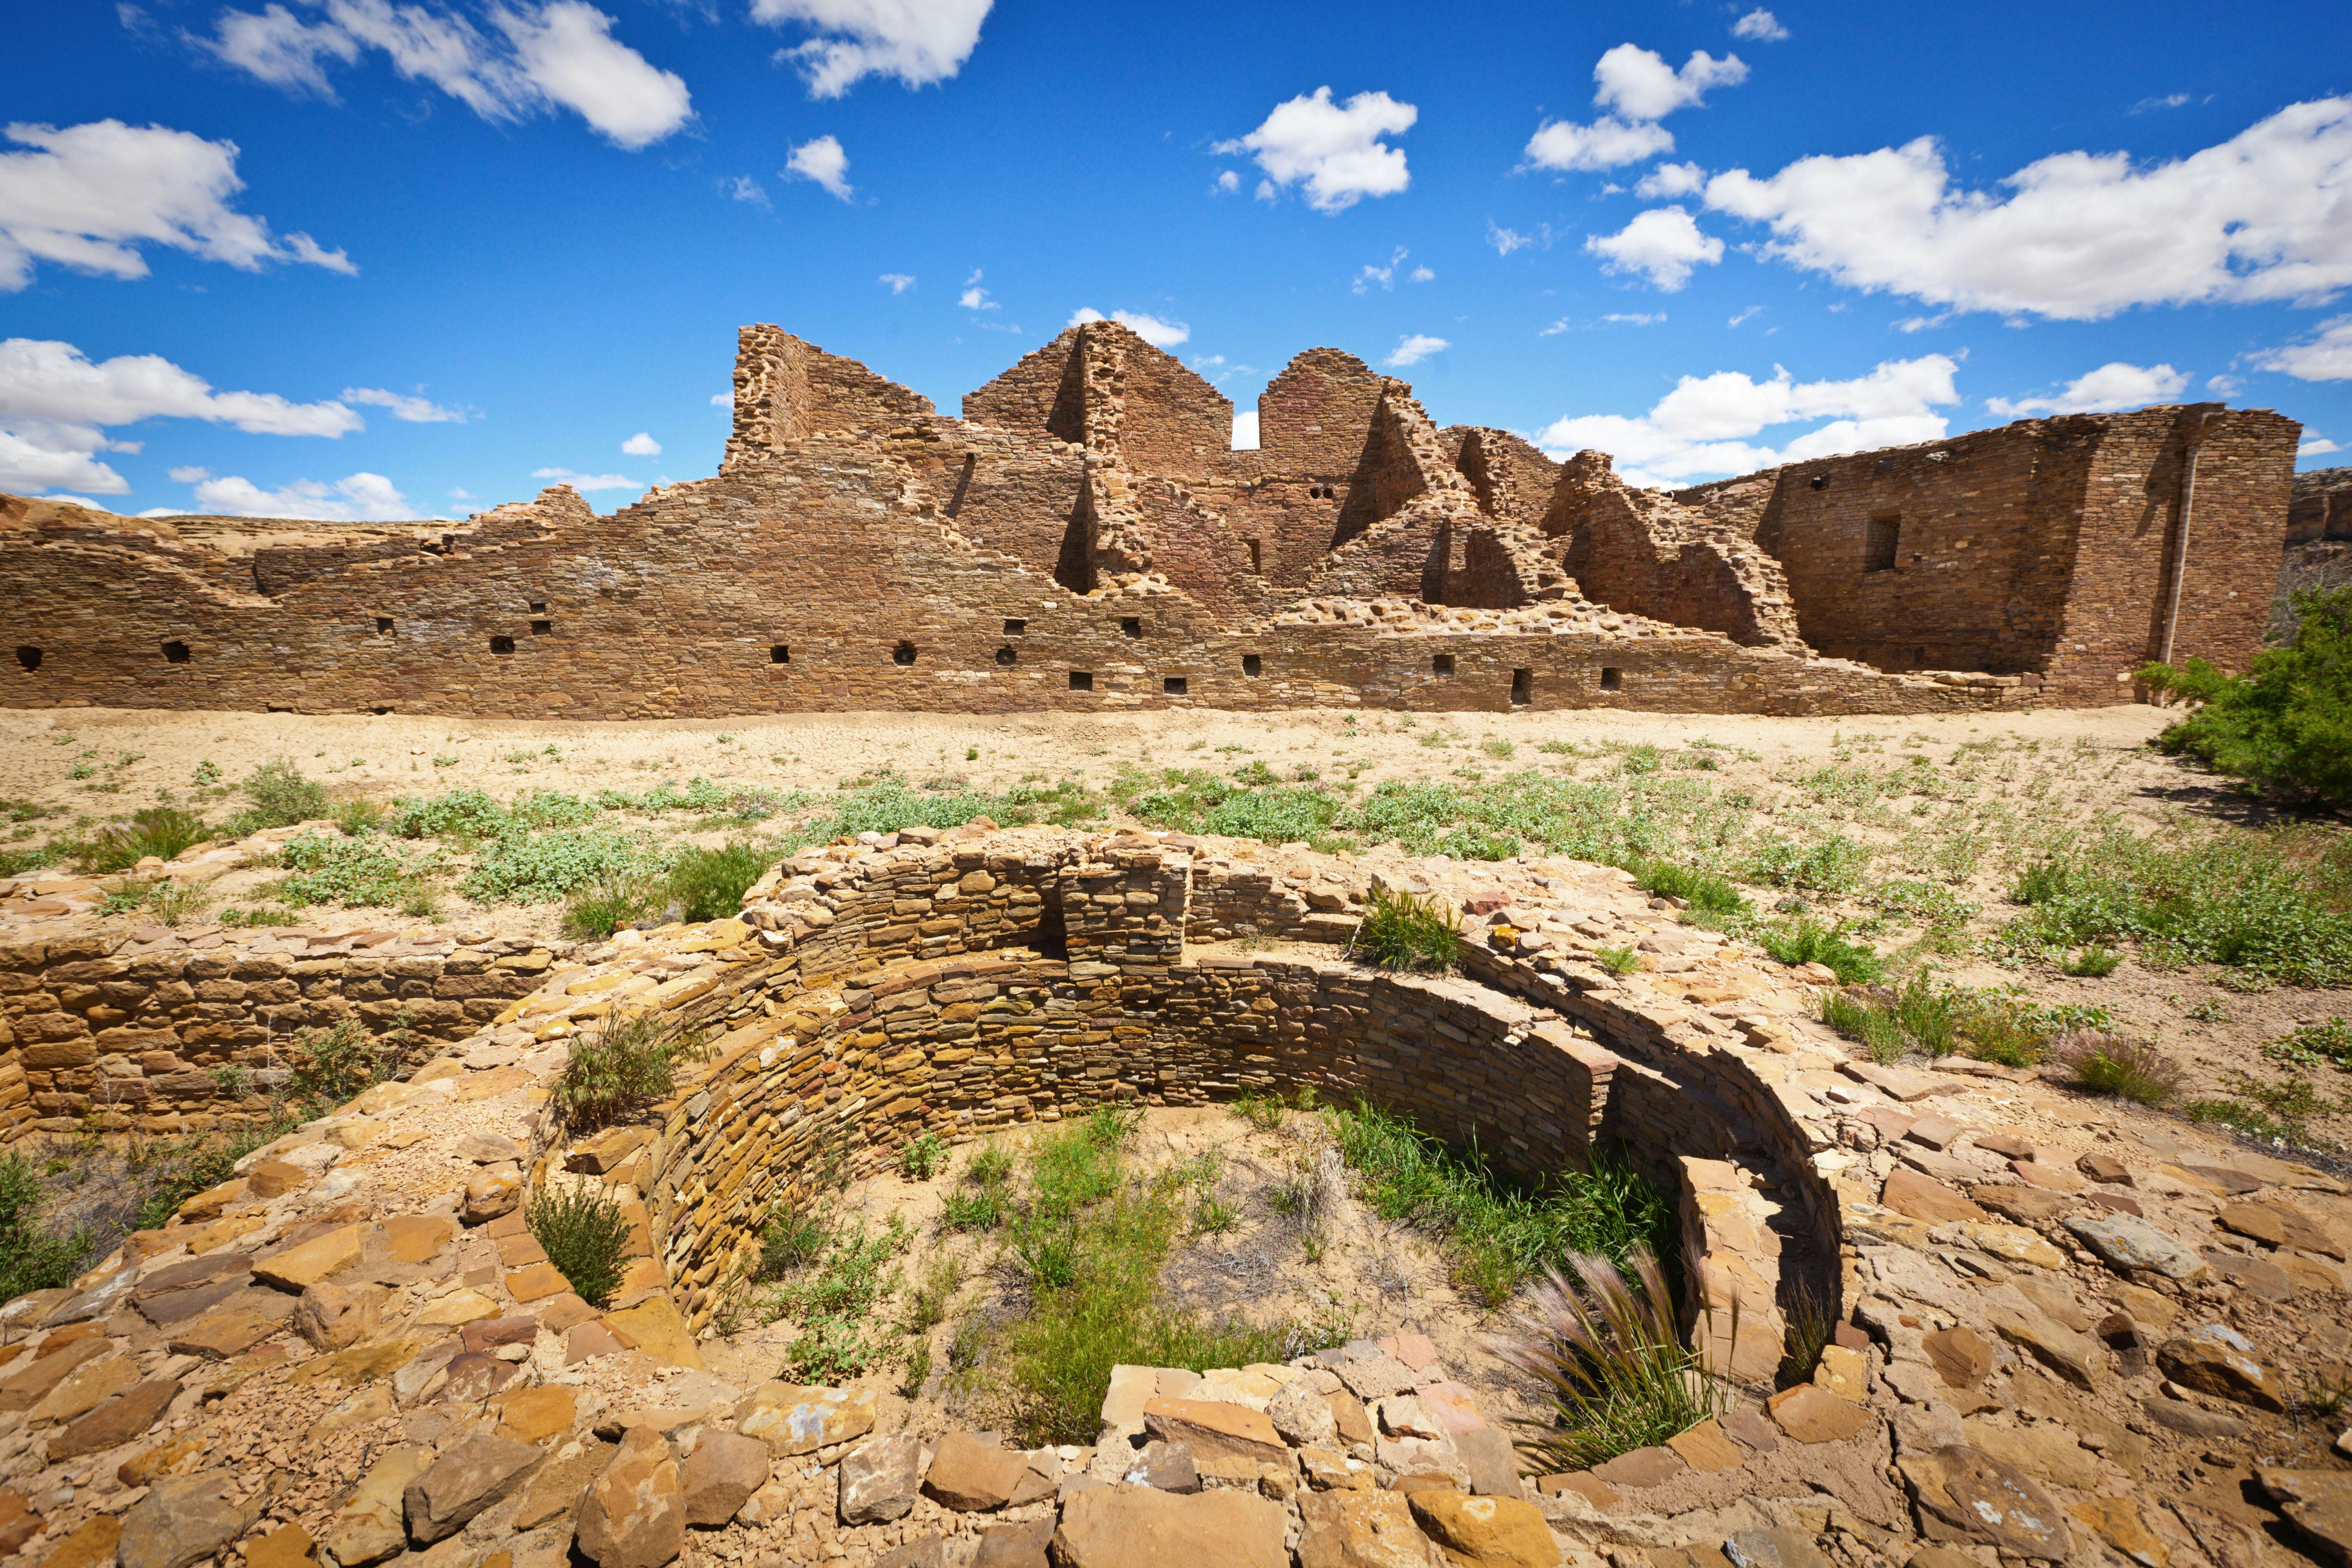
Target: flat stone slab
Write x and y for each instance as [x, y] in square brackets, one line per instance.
[2124, 1242]
[1811, 1414]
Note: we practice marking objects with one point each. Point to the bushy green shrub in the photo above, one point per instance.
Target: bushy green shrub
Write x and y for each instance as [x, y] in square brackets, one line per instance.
[277, 795]
[631, 1061]
[2104, 1064]
[1403, 931]
[709, 884]
[334, 1063]
[1809, 941]
[613, 898]
[1833, 865]
[2286, 723]
[162, 831]
[324, 869]
[356, 816]
[1702, 890]
[32, 1256]
[584, 1236]
[519, 866]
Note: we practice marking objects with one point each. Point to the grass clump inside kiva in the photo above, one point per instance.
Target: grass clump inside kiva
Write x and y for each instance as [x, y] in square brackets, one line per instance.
[2285, 725]
[1935, 1020]
[276, 795]
[33, 1257]
[585, 1237]
[1401, 932]
[1807, 941]
[1617, 1375]
[1088, 1239]
[1501, 1229]
[162, 831]
[709, 884]
[625, 1065]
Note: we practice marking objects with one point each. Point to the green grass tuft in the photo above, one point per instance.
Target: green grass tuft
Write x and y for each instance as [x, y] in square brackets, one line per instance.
[584, 1236]
[1401, 932]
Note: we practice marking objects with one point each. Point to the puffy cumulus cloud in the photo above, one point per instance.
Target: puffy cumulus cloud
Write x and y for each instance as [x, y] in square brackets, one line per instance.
[641, 446]
[1668, 181]
[918, 41]
[1333, 149]
[823, 162]
[1415, 349]
[87, 196]
[2314, 446]
[1605, 143]
[2081, 236]
[2324, 356]
[1706, 425]
[2113, 385]
[1160, 334]
[1640, 85]
[560, 54]
[974, 297]
[1245, 430]
[56, 406]
[584, 482]
[356, 497]
[1661, 245]
[1760, 25]
[400, 406]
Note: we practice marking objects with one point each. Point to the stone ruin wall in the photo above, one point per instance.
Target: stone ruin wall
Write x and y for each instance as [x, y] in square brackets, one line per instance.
[1085, 538]
[2321, 509]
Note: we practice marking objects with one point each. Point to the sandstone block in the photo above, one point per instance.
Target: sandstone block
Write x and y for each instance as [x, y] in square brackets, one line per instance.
[182, 1520]
[1971, 1497]
[972, 1477]
[297, 1269]
[719, 1477]
[634, 1515]
[1487, 1532]
[461, 1482]
[333, 1318]
[1136, 1527]
[1360, 1530]
[117, 1421]
[879, 1480]
[2215, 1359]
[1811, 1414]
[792, 1418]
[1214, 1430]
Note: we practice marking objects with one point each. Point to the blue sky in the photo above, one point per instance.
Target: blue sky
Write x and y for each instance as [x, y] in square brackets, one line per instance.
[360, 258]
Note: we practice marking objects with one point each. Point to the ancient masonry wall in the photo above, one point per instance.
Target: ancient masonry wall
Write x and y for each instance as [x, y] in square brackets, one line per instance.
[911, 999]
[164, 1035]
[2321, 507]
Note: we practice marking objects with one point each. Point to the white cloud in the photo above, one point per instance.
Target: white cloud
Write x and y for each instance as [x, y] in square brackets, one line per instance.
[974, 297]
[1761, 26]
[2111, 387]
[1603, 144]
[1415, 349]
[189, 475]
[2224, 386]
[723, 400]
[1333, 150]
[2265, 216]
[823, 162]
[568, 52]
[87, 196]
[1227, 182]
[1749, 314]
[357, 498]
[586, 481]
[1420, 275]
[899, 282]
[56, 406]
[414, 410]
[2326, 356]
[918, 41]
[2170, 100]
[1636, 318]
[1507, 240]
[558, 53]
[1702, 427]
[1663, 245]
[1245, 430]
[1383, 276]
[1640, 85]
[1160, 334]
[2313, 445]
[744, 188]
[1670, 180]
[641, 446]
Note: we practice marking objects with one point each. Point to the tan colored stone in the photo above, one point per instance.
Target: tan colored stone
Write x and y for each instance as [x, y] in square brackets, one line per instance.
[458, 1307]
[2015, 1244]
[1844, 1373]
[1358, 1529]
[86, 1390]
[2218, 1359]
[534, 1414]
[973, 1477]
[1215, 1430]
[656, 1329]
[117, 1421]
[1137, 1526]
[536, 1281]
[288, 1546]
[298, 1267]
[333, 1318]
[793, 1418]
[417, 1238]
[1811, 1414]
[634, 1515]
[1705, 1448]
[1485, 1531]
[225, 1333]
[1961, 1355]
[370, 1526]
[2117, 1521]
[1925, 1199]
[274, 1178]
[2048, 1451]
[1638, 1470]
[90, 1544]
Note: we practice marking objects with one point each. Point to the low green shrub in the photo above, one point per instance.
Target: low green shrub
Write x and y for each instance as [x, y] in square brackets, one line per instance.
[357, 872]
[2310, 1044]
[356, 816]
[332, 1064]
[630, 1062]
[277, 796]
[1858, 1018]
[2092, 963]
[1613, 1365]
[1702, 890]
[709, 884]
[1401, 932]
[584, 1236]
[1832, 865]
[519, 866]
[33, 1257]
[2286, 724]
[923, 1157]
[1808, 940]
[1618, 960]
[2104, 1064]
[614, 898]
[162, 831]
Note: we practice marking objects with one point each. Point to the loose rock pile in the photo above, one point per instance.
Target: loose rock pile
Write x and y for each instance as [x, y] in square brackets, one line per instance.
[2054, 1330]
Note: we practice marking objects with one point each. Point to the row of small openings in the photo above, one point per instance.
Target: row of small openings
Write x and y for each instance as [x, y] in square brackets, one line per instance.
[1323, 492]
[1523, 681]
[28, 658]
[1084, 680]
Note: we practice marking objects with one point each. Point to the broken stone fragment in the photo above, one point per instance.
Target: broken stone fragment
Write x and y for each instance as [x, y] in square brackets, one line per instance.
[494, 1191]
[184, 1520]
[1360, 1530]
[719, 1477]
[1488, 1531]
[333, 1318]
[634, 1515]
[1965, 1496]
[792, 1418]
[2215, 1359]
[466, 1479]
[1136, 1527]
[879, 1480]
[2124, 1242]
[973, 1477]
[117, 1421]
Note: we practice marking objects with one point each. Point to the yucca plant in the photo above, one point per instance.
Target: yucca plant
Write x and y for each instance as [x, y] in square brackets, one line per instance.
[1605, 1349]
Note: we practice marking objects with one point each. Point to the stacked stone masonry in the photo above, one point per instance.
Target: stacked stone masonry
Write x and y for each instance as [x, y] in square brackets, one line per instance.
[1086, 537]
[354, 1352]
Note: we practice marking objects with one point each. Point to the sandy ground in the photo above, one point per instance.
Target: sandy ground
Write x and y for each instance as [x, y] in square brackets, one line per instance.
[2039, 767]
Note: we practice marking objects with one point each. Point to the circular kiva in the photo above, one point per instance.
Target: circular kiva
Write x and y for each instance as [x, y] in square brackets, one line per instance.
[958, 983]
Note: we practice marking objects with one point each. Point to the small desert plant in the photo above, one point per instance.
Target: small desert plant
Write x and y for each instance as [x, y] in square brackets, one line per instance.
[1617, 1375]
[1401, 932]
[1855, 1016]
[356, 816]
[2283, 724]
[1807, 941]
[2092, 963]
[1263, 1111]
[280, 798]
[174, 902]
[927, 1307]
[1702, 890]
[792, 1238]
[32, 1256]
[923, 1157]
[629, 1062]
[2105, 1064]
[616, 897]
[332, 1064]
[1811, 1327]
[584, 1236]
[1618, 960]
[162, 831]
[709, 884]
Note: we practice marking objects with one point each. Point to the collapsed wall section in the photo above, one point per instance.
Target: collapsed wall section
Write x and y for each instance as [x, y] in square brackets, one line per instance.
[787, 389]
